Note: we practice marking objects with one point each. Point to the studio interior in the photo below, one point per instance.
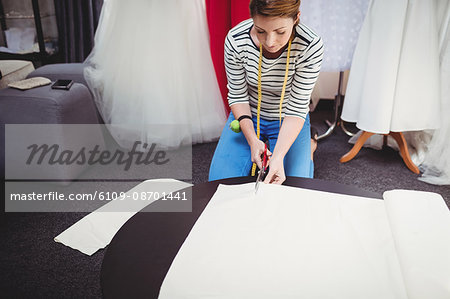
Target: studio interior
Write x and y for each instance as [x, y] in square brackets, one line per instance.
[225, 149]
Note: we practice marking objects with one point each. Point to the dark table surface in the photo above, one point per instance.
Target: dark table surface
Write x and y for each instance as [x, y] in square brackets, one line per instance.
[140, 254]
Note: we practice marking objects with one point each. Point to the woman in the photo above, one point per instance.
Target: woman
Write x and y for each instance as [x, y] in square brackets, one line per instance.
[272, 63]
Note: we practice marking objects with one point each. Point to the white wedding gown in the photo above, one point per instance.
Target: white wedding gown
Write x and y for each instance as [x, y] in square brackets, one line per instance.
[430, 149]
[394, 79]
[152, 75]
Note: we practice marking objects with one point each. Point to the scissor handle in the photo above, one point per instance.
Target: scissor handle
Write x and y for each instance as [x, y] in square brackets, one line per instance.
[265, 157]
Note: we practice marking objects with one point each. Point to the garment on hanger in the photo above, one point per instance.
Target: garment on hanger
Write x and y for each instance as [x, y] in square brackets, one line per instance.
[338, 22]
[394, 79]
[152, 75]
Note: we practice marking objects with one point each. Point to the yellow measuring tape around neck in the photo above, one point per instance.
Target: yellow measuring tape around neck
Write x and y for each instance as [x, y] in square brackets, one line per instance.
[260, 93]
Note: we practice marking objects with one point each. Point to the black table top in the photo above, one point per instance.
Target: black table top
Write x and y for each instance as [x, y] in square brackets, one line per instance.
[140, 254]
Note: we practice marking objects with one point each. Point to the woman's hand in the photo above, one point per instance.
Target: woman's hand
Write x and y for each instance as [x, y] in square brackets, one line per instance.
[276, 171]
[289, 131]
[257, 150]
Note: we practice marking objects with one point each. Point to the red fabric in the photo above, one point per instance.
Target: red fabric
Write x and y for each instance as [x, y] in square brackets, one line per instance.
[223, 15]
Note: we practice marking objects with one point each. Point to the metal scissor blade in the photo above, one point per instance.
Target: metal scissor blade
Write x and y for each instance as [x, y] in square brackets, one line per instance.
[262, 171]
[259, 179]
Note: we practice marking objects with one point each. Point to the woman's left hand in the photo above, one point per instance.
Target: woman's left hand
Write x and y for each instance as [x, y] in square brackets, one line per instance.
[276, 171]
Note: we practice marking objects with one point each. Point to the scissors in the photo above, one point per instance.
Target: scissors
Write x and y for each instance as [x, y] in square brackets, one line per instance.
[262, 171]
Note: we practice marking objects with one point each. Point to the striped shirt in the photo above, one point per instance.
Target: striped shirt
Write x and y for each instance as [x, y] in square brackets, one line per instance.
[241, 65]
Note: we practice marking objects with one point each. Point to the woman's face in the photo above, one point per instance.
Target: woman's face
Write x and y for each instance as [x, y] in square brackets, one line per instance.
[273, 32]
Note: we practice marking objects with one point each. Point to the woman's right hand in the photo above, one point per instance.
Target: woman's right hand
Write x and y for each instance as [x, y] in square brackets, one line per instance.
[257, 150]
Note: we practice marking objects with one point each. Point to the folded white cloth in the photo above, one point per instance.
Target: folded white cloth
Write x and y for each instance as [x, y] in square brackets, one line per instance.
[420, 224]
[96, 230]
[30, 83]
[289, 242]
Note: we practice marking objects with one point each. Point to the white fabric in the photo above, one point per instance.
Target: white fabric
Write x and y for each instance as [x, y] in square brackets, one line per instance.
[286, 243]
[151, 64]
[429, 149]
[19, 40]
[96, 230]
[394, 79]
[338, 22]
[289, 242]
[436, 165]
[420, 224]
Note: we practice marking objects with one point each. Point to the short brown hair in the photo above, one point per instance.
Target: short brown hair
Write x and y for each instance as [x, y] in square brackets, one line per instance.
[275, 8]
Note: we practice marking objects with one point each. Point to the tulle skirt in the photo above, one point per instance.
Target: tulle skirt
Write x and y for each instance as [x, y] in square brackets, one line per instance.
[436, 164]
[152, 75]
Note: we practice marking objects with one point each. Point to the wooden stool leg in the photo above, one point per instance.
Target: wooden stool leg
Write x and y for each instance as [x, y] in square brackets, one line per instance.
[400, 139]
[355, 149]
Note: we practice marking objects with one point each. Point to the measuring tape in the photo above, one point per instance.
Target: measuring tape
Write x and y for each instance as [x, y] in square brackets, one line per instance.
[260, 93]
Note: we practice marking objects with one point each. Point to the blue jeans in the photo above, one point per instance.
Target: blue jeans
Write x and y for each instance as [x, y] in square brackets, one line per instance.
[232, 157]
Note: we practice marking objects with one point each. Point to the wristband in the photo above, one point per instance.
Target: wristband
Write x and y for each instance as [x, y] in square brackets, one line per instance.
[244, 117]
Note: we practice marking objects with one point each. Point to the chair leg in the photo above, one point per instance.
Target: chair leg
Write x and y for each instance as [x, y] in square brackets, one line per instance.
[400, 139]
[342, 123]
[357, 147]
